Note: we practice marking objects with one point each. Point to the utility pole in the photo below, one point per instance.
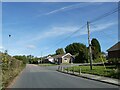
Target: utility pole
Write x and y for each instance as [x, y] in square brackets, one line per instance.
[89, 42]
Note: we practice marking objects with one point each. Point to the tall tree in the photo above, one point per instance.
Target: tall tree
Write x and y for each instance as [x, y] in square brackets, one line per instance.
[79, 50]
[59, 51]
[96, 48]
[74, 48]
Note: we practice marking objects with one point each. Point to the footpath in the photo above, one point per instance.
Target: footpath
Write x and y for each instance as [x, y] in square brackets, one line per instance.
[92, 77]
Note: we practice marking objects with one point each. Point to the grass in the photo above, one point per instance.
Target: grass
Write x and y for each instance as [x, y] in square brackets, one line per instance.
[47, 64]
[110, 71]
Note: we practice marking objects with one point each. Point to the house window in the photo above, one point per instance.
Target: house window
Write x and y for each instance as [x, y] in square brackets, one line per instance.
[65, 58]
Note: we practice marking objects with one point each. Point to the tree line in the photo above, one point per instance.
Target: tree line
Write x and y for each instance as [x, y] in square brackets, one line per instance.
[80, 51]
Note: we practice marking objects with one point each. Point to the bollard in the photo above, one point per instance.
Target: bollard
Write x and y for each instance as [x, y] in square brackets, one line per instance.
[80, 71]
[61, 68]
[67, 69]
[73, 70]
[58, 68]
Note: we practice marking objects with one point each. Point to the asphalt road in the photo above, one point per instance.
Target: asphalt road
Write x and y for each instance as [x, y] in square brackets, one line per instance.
[34, 76]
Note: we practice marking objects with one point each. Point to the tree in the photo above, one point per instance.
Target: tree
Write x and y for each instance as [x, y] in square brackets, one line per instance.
[22, 58]
[96, 48]
[79, 50]
[74, 48]
[59, 51]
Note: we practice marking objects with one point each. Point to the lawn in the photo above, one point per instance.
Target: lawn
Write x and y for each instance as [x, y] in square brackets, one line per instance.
[109, 71]
[47, 64]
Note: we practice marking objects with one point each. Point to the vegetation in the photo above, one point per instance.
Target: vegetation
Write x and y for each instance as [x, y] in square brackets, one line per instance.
[11, 67]
[96, 48]
[79, 50]
[47, 64]
[101, 59]
[28, 59]
[109, 71]
[74, 48]
[59, 51]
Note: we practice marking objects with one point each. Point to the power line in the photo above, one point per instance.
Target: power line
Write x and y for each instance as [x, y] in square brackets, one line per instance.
[68, 37]
[105, 15]
[94, 25]
[71, 35]
[92, 21]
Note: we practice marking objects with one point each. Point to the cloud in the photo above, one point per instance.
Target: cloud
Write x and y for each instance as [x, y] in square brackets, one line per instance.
[98, 27]
[56, 31]
[31, 46]
[64, 31]
[1, 48]
[103, 26]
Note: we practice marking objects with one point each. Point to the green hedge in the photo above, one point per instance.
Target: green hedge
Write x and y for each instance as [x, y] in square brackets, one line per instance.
[11, 67]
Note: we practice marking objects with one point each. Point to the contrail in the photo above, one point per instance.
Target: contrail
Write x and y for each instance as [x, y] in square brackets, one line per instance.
[78, 5]
[64, 8]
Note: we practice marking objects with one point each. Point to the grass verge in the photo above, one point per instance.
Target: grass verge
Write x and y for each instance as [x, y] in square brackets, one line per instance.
[48, 64]
[109, 71]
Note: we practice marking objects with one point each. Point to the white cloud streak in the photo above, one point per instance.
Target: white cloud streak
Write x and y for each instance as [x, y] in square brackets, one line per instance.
[56, 31]
[99, 27]
[31, 46]
[60, 31]
[69, 7]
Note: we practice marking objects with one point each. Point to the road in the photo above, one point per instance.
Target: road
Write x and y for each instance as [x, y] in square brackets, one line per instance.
[34, 76]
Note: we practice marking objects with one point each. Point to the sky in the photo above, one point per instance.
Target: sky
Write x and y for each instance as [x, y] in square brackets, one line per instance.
[42, 27]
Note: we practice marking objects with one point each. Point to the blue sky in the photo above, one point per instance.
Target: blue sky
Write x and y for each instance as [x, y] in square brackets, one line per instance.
[38, 27]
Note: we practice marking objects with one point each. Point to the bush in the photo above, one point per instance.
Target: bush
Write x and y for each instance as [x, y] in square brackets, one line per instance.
[114, 60]
[100, 60]
[11, 67]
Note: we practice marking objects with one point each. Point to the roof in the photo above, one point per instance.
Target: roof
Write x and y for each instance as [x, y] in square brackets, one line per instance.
[61, 55]
[114, 47]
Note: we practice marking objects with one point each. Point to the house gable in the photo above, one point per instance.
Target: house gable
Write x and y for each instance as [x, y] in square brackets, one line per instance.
[115, 47]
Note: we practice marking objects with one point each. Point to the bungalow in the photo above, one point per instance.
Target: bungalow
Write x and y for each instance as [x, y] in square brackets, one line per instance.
[50, 59]
[63, 58]
[114, 51]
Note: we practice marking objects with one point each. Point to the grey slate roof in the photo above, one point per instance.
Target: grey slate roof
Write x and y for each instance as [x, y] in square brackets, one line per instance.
[114, 47]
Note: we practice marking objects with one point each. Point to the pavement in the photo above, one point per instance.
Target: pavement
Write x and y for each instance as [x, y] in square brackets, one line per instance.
[95, 77]
[34, 76]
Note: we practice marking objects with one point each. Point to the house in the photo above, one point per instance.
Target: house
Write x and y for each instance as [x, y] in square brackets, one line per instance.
[63, 58]
[114, 51]
[50, 59]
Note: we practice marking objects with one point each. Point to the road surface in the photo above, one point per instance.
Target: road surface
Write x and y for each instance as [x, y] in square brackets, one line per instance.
[34, 76]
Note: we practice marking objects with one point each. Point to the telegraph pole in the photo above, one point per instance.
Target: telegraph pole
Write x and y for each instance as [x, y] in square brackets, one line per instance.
[89, 42]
